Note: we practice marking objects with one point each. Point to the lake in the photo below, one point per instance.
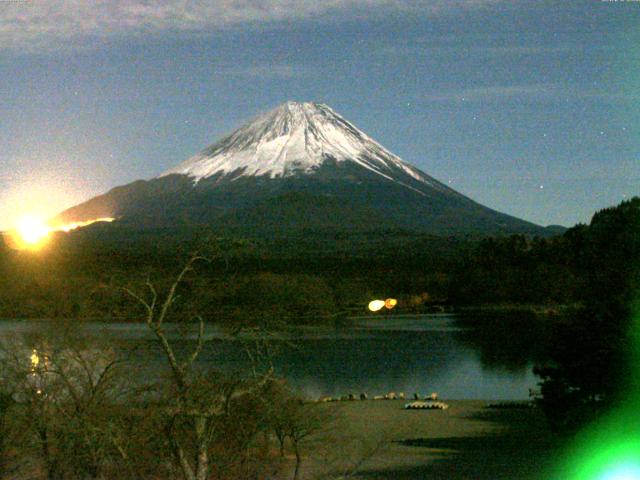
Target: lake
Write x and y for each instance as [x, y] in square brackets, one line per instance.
[469, 357]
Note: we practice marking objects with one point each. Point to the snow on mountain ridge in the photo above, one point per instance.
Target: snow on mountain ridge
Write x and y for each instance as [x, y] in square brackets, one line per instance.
[291, 139]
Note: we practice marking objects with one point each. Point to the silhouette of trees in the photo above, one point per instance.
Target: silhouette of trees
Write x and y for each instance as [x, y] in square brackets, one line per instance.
[588, 368]
[61, 391]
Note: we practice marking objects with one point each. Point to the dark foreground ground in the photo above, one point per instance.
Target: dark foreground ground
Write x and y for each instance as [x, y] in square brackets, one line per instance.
[380, 440]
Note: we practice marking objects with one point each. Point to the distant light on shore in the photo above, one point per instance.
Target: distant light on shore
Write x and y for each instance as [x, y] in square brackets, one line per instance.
[376, 305]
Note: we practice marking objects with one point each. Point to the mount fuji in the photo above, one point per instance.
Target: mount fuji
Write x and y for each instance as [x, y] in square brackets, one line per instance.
[298, 168]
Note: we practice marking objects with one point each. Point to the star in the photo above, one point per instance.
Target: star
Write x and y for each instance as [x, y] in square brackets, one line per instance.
[541, 187]
[544, 134]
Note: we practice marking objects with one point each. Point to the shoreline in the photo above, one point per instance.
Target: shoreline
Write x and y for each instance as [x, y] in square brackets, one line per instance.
[381, 440]
[438, 310]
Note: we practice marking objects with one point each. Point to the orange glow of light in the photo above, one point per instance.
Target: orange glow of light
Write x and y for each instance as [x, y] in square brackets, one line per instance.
[389, 303]
[32, 233]
[32, 230]
[75, 225]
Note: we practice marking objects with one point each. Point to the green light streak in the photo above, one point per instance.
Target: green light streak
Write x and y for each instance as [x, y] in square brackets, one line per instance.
[625, 471]
[610, 448]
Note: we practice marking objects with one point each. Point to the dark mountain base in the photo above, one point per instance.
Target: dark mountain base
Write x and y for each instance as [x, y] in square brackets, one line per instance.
[332, 200]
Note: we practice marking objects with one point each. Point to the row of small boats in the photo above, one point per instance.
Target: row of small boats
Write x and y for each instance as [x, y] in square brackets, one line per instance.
[425, 405]
[433, 397]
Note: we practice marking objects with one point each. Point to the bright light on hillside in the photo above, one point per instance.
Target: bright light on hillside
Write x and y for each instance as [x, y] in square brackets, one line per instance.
[32, 230]
[75, 225]
[31, 233]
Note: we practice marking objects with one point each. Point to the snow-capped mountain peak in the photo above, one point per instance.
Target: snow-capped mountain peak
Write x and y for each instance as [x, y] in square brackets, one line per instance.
[295, 138]
[300, 169]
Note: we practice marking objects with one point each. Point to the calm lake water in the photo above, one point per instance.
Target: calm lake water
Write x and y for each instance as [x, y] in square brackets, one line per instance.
[458, 357]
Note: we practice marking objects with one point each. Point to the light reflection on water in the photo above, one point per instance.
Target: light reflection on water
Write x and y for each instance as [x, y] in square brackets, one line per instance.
[376, 355]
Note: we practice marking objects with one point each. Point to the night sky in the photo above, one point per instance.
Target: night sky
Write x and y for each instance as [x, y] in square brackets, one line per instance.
[528, 107]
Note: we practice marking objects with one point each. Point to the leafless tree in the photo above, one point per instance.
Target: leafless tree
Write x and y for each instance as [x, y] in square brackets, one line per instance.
[292, 419]
[64, 391]
[7, 430]
[196, 401]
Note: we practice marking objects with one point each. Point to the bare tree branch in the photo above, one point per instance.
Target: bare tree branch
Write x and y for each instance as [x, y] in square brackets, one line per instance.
[199, 344]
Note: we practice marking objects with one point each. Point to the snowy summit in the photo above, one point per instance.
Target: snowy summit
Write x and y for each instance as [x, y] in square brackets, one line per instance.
[295, 138]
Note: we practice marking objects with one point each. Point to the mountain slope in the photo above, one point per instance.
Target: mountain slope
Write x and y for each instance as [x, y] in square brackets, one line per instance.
[298, 168]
